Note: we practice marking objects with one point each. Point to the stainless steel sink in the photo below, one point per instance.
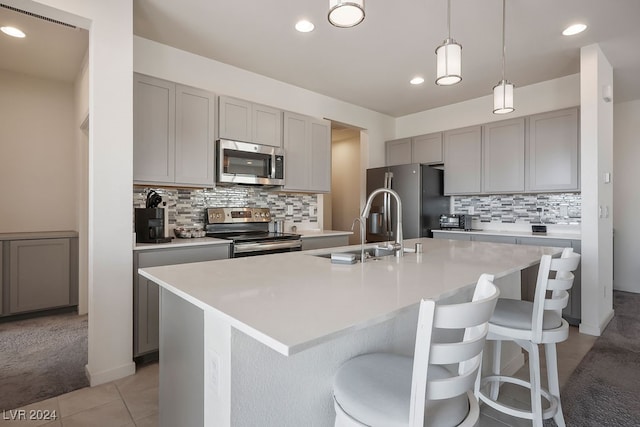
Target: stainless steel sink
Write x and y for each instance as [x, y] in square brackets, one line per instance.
[369, 253]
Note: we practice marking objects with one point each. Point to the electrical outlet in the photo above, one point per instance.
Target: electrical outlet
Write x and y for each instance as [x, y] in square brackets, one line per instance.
[289, 209]
[312, 211]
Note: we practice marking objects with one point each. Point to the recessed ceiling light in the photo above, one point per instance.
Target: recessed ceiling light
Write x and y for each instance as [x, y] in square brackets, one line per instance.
[304, 26]
[574, 29]
[13, 32]
[416, 81]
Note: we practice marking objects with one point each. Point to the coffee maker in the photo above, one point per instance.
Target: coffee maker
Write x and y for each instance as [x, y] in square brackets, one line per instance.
[149, 224]
[149, 221]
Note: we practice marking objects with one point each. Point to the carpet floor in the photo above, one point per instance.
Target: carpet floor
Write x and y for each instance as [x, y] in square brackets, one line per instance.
[605, 387]
[41, 358]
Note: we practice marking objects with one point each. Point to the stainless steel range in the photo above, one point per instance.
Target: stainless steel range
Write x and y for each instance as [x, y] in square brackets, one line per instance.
[248, 229]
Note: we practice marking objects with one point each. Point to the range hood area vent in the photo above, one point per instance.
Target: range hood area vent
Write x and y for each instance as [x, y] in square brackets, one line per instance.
[35, 15]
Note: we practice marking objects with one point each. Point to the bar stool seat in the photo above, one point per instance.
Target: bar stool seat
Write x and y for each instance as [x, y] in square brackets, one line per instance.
[436, 386]
[529, 325]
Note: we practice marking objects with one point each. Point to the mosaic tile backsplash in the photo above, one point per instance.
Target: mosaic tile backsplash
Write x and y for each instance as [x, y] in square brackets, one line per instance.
[186, 207]
[562, 208]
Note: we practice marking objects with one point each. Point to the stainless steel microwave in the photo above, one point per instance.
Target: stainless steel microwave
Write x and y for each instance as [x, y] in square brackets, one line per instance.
[246, 163]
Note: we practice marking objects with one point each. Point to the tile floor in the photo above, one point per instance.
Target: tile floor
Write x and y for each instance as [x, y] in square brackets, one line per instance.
[133, 401]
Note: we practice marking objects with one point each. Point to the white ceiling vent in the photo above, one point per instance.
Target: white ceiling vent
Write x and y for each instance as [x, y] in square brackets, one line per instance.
[35, 15]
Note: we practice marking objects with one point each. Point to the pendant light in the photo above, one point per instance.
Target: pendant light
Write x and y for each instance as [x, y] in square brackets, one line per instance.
[346, 13]
[449, 57]
[503, 91]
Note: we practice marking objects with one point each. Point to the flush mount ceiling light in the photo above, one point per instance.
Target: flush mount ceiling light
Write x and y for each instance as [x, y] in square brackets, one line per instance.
[503, 91]
[449, 57]
[574, 29]
[304, 26]
[13, 32]
[345, 14]
[416, 80]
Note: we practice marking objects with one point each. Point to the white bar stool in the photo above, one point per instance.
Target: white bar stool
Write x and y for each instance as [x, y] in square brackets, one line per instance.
[528, 325]
[383, 389]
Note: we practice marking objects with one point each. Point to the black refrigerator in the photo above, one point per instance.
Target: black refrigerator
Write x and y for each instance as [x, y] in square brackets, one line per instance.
[421, 191]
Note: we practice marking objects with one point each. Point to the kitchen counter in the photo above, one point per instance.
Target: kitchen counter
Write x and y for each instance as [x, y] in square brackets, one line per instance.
[516, 233]
[179, 243]
[39, 235]
[309, 234]
[241, 338]
[300, 287]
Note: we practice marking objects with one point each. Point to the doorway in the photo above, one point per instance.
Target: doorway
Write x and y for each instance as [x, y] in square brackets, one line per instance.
[342, 205]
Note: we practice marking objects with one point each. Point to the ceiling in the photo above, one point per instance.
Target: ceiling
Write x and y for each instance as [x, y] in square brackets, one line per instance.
[50, 50]
[369, 65]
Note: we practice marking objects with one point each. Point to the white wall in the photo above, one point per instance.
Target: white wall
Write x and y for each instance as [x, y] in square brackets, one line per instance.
[172, 64]
[596, 140]
[537, 98]
[81, 123]
[110, 160]
[626, 203]
[37, 154]
[345, 183]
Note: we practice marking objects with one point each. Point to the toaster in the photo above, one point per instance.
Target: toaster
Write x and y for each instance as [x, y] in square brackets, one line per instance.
[455, 222]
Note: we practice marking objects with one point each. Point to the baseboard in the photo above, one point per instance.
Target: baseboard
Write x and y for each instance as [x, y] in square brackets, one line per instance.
[597, 331]
[97, 378]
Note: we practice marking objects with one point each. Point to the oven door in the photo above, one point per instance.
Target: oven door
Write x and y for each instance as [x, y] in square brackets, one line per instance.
[244, 163]
[265, 247]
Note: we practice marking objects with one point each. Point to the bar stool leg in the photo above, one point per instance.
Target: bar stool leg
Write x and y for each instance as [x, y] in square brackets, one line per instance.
[534, 374]
[553, 382]
[497, 354]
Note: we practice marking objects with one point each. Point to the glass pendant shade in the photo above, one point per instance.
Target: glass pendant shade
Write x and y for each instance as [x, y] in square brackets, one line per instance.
[449, 63]
[345, 14]
[503, 98]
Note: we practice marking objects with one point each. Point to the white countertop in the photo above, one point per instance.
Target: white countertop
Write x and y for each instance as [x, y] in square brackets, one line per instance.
[180, 243]
[306, 234]
[516, 233]
[39, 235]
[295, 300]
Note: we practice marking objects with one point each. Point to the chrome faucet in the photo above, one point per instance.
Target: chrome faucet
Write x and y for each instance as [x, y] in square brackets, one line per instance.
[362, 222]
[398, 246]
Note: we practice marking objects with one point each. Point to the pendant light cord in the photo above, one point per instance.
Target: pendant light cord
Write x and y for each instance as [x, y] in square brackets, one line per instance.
[449, 19]
[504, 47]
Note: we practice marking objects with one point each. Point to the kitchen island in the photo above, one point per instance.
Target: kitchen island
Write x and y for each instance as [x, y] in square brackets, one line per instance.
[256, 341]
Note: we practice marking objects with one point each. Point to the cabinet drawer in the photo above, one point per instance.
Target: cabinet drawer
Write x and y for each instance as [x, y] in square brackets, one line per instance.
[159, 257]
[494, 239]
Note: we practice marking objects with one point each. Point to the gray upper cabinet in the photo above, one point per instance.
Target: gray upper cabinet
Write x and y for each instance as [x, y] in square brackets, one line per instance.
[194, 145]
[553, 147]
[503, 152]
[40, 276]
[153, 129]
[1, 280]
[427, 149]
[307, 142]
[173, 133]
[241, 120]
[463, 159]
[398, 152]
[235, 119]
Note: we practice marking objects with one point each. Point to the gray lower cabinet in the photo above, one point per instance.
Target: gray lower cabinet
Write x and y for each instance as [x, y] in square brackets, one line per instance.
[324, 242]
[451, 236]
[146, 293]
[42, 274]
